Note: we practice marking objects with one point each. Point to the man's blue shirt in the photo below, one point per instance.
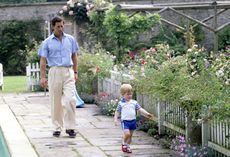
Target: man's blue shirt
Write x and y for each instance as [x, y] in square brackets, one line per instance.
[59, 53]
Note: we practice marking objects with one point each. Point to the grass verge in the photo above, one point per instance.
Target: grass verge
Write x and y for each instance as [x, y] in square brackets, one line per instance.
[14, 84]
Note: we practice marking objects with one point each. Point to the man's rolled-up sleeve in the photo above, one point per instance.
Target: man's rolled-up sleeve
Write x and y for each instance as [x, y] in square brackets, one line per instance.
[43, 50]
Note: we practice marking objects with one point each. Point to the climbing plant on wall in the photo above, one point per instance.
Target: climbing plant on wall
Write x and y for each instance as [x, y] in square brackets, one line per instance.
[122, 29]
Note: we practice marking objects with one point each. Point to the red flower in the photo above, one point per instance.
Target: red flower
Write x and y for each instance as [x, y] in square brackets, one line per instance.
[143, 61]
[131, 54]
[97, 69]
[143, 49]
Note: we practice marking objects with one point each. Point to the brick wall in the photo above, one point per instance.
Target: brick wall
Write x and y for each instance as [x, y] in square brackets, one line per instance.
[46, 11]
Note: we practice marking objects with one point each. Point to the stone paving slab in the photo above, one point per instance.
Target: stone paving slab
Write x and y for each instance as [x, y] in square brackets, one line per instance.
[97, 135]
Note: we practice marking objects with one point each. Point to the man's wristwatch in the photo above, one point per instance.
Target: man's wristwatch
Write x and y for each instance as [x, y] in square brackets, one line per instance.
[75, 72]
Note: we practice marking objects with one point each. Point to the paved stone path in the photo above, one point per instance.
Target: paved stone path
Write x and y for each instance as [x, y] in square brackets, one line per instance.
[97, 135]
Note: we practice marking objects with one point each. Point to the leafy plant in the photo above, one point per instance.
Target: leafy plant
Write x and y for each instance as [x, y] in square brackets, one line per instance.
[187, 150]
[76, 10]
[109, 107]
[148, 126]
[92, 66]
[32, 56]
[122, 28]
[13, 46]
[221, 67]
[187, 81]
[195, 60]
[223, 38]
[177, 39]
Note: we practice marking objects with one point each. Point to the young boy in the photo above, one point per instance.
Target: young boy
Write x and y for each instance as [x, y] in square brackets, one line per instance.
[127, 108]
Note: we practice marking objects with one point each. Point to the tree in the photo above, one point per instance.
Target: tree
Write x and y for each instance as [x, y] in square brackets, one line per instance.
[16, 38]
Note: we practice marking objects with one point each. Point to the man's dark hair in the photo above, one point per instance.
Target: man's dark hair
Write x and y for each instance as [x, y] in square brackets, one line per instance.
[56, 19]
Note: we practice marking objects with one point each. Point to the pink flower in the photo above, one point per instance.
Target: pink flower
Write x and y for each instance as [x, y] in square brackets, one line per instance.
[61, 12]
[143, 62]
[71, 12]
[65, 8]
[143, 49]
[131, 54]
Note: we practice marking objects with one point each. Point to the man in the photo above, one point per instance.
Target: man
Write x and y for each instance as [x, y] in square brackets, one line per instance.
[60, 51]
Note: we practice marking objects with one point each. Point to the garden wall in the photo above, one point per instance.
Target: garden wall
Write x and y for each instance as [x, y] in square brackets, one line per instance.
[47, 10]
[43, 11]
[198, 14]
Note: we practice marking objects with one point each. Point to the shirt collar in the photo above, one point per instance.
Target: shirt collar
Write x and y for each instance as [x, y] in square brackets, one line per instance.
[123, 100]
[53, 36]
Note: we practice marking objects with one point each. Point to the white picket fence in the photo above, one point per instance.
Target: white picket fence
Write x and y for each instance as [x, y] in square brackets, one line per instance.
[33, 76]
[1, 77]
[216, 135]
[173, 119]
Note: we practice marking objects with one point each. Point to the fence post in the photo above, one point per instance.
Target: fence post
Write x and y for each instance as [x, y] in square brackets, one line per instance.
[1, 77]
[205, 133]
[99, 85]
[192, 130]
[161, 116]
[28, 73]
[188, 126]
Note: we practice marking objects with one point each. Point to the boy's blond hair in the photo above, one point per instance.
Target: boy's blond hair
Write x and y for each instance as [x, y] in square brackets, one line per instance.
[125, 88]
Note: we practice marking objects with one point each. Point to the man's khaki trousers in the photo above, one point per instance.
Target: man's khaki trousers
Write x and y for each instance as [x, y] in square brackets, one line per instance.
[61, 84]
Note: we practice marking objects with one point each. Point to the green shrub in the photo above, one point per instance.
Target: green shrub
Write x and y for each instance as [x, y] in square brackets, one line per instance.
[223, 38]
[32, 53]
[146, 125]
[109, 108]
[152, 131]
[14, 46]
[185, 80]
[122, 29]
[92, 66]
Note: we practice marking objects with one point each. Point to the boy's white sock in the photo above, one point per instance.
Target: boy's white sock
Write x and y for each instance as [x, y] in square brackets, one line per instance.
[124, 143]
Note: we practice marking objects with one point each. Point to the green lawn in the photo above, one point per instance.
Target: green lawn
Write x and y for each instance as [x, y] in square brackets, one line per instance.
[14, 84]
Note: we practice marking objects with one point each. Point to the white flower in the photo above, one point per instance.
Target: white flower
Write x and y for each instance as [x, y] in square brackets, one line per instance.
[79, 4]
[87, 7]
[71, 12]
[196, 52]
[219, 73]
[69, 2]
[195, 46]
[189, 50]
[71, 5]
[65, 8]
[193, 73]
[194, 60]
[192, 67]
[115, 68]
[61, 12]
